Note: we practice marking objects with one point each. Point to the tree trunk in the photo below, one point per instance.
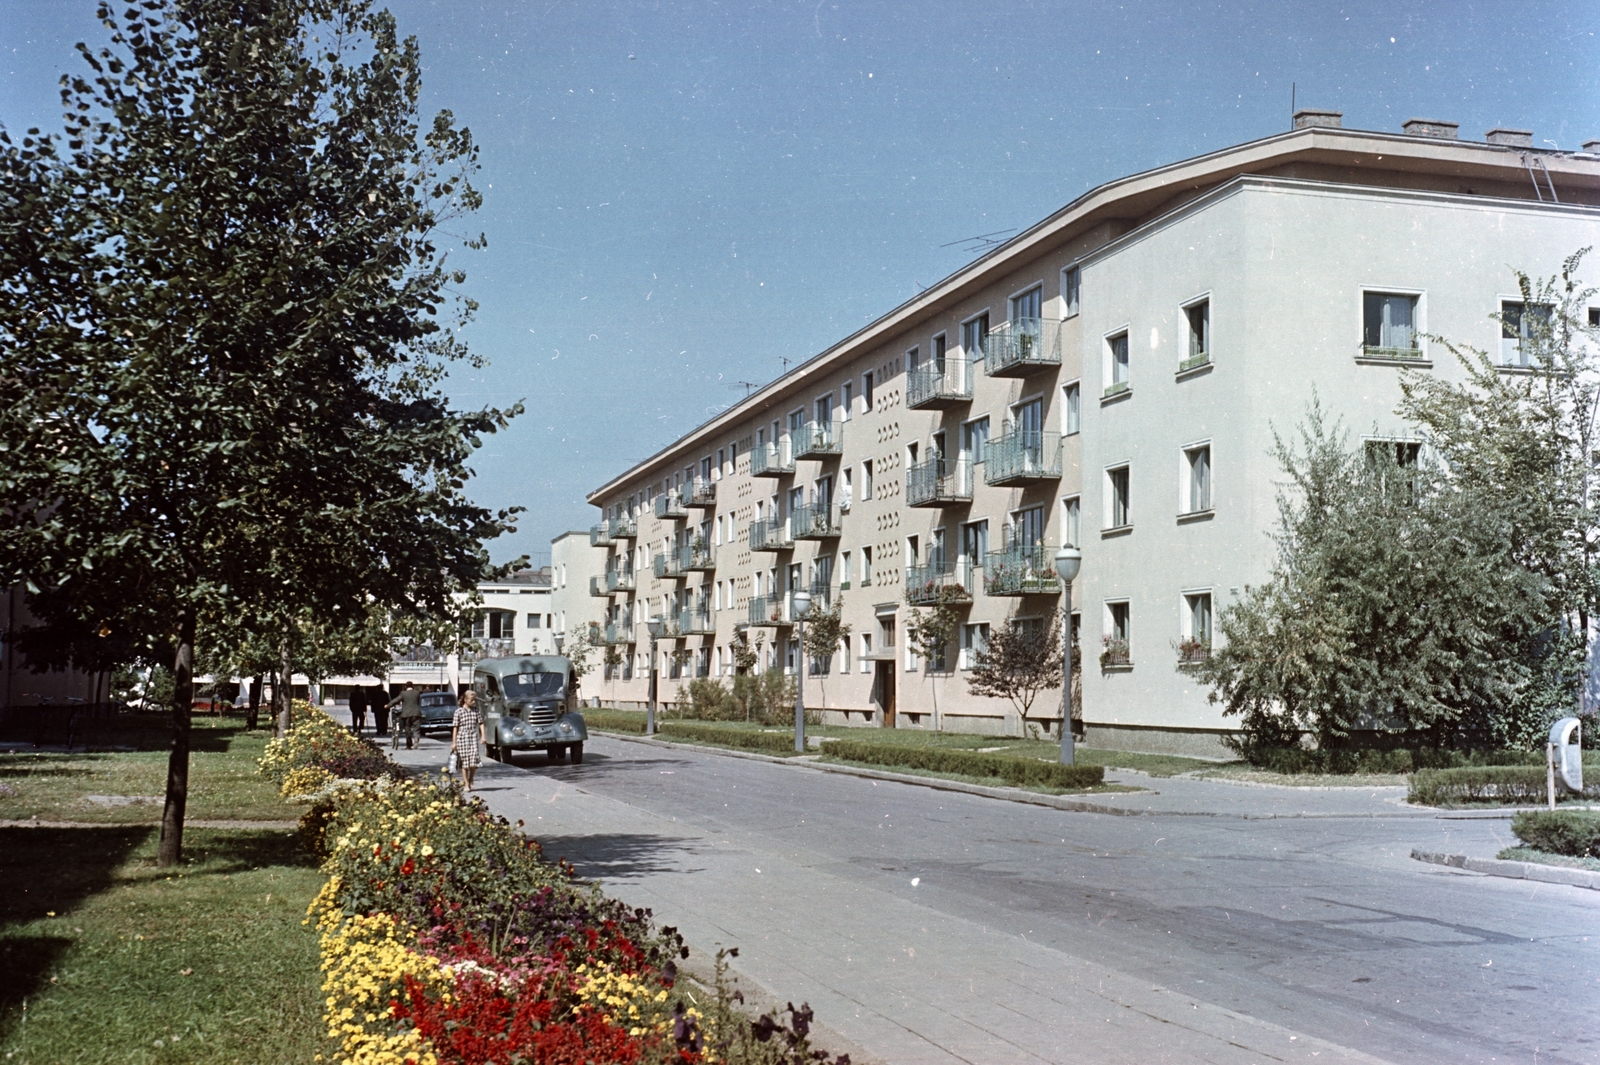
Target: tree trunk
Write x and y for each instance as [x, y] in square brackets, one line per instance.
[285, 690]
[171, 848]
[253, 715]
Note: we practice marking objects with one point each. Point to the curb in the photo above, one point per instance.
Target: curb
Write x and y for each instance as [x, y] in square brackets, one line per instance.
[1547, 874]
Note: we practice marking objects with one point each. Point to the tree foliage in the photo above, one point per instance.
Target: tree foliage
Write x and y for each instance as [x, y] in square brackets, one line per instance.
[221, 341]
[1022, 660]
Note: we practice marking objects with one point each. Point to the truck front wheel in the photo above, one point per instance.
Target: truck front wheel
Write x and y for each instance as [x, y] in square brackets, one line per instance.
[577, 753]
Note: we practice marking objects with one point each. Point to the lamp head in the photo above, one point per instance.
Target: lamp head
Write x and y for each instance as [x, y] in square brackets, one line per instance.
[654, 625]
[1069, 560]
[801, 601]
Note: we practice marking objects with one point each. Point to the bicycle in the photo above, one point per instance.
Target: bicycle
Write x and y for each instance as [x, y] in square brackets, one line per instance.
[411, 727]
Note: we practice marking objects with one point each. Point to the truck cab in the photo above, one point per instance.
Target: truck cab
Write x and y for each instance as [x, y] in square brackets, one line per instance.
[529, 704]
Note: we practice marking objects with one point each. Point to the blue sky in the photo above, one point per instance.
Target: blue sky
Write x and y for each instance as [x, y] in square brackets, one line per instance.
[680, 196]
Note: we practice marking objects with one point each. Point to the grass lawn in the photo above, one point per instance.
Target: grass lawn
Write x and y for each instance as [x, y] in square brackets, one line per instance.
[128, 785]
[988, 782]
[1246, 772]
[1531, 854]
[103, 957]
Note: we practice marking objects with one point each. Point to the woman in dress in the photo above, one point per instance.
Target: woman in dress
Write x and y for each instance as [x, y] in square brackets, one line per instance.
[466, 733]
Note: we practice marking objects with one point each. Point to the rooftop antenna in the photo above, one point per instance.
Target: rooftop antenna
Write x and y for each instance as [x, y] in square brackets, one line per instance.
[748, 386]
[982, 242]
[1292, 87]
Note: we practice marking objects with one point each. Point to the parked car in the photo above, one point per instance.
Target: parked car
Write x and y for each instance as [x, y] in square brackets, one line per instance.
[438, 711]
[528, 705]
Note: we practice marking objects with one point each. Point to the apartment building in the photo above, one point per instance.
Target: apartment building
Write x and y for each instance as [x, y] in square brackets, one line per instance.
[1110, 378]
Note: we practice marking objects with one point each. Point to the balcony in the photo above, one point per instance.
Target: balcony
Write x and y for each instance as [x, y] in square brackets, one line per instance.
[670, 505]
[939, 482]
[619, 580]
[821, 598]
[814, 521]
[1021, 570]
[597, 586]
[939, 582]
[669, 564]
[1022, 347]
[618, 634]
[701, 493]
[772, 460]
[770, 536]
[624, 528]
[818, 440]
[770, 610]
[697, 620]
[932, 386]
[697, 558]
[600, 535]
[1020, 458]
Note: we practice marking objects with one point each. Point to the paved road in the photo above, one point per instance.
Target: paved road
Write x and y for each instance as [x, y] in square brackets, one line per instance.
[931, 926]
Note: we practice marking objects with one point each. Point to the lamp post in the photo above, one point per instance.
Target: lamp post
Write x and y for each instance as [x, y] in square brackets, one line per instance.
[1068, 561]
[654, 625]
[800, 605]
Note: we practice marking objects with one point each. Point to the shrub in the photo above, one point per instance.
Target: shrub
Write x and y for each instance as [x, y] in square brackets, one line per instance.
[317, 741]
[707, 699]
[1018, 771]
[1571, 832]
[614, 720]
[1507, 784]
[778, 742]
[1292, 759]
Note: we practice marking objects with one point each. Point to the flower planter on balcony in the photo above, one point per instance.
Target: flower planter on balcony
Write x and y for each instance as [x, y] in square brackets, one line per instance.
[1021, 571]
[939, 583]
[701, 494]
[1022, 347]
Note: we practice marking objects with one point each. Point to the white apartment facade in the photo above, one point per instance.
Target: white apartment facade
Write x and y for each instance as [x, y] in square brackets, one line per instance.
[1110, 378]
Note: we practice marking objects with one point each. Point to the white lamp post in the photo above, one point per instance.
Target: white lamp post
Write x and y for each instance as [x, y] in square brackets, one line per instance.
[1068, 561]
[800, 605]
[655, 626]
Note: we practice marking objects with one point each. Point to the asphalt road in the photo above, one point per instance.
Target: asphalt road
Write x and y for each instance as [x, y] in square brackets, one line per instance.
[927, 925]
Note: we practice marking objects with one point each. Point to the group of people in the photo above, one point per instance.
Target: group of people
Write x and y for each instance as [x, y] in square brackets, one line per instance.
[376, 700]
[467, 729]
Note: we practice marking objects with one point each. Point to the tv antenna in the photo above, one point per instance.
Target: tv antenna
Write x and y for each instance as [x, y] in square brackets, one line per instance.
[748, 386]
[982, 242]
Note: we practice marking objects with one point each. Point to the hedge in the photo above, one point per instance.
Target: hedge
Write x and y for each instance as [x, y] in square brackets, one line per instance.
[967, 763]
[1510, 785]
[773, 742]
[1571, 832]
[614, 720]
[1293, 760]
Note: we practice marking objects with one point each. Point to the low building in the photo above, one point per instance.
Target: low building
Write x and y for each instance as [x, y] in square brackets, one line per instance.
[1110, 378]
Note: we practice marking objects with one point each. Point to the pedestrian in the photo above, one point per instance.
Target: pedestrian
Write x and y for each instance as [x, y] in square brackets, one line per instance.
[466, 733]
[410, 703]
[378, 700]
[358, 709]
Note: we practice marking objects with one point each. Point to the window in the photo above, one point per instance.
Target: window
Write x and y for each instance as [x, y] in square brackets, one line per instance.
[974, 641]
[844, 571]
[533, 621]
[866, 652]
[1026, 307]
[1117, 356]
[972, 336]
[1070, 513]
[913, 552]
[797, 422]
[501, 624]
[939, 355]
[791, 656]
[1389, 324]
[866, 392]
[866, 567]
[1197, 466]
[1027, 527]
[1520, 323]
[1118, 650]
[1594, 317]
[1117, 514]
[975, 541]
[1199, 315]
[847, 398]
[1070, 422]
[1196, 643]
[824, 409]
[846, 488]
[1404, 452]
[844, 655]
[1027, 420]
[1070, 279]
[722, 461]
[866, 480]
[974, 435]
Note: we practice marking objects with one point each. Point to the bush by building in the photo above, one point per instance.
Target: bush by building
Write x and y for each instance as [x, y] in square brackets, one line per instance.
[1015, 771]
[1575, 833]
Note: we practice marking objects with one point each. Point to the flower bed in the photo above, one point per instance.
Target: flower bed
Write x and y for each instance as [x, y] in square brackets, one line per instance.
[318, 751]
[447, 939]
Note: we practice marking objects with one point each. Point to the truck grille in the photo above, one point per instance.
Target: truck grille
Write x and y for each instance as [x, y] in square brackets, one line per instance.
[540, 715]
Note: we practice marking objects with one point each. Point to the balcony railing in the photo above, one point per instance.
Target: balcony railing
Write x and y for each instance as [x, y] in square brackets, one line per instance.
[1021, 347]
[701, 493]
[818, 440]
[597, 586]
[669, 627]
[822, 596]
[814, 521]
[600, 535]
[619, 580]
[669, 564]
[624, 528]
[697, 620]
[1022, 458]
[939, 481]
[771, 610]
[618, 633]
[772, 460]
[1020, 570]
[932, 386]
[699, 559]
[670, 505]
[770, 536]
[940, 581]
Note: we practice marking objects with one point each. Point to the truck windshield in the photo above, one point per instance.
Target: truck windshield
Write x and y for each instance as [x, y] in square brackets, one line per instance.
[533, 685]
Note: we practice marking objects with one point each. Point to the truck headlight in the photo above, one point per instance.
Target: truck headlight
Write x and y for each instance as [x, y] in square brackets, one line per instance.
[566, 726]
[519, 730]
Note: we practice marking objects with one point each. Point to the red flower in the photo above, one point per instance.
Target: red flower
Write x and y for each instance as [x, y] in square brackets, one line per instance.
[408, 868]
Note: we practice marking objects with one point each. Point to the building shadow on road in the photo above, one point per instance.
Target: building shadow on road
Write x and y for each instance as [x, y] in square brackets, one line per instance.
[620, 856]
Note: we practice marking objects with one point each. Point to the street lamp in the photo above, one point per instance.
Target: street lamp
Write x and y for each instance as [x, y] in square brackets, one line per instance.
[655, 627]
[800, 606]
[1068, 561]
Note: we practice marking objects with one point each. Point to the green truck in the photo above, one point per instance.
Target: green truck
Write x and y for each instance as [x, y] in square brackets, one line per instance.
[529, 704]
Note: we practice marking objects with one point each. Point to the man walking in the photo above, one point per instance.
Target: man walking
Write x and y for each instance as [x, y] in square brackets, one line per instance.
[380, 710]
[358, 709]
[410, 703]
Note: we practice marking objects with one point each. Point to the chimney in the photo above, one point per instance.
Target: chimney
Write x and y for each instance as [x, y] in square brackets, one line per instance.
[1307, 118]
[1592, 146]
[1510, 138]
[1431, 127]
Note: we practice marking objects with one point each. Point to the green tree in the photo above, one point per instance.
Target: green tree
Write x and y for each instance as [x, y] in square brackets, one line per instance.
[221, 343]
[1022, 661]
[825, 631]
[930, 635]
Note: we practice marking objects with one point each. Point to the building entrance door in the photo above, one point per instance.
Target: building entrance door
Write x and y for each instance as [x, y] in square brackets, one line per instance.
[883, 691]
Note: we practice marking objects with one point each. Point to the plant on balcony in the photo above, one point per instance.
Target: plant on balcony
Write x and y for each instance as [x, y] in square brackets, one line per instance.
[1191, 651]
[698, 545]
[1114, 651]
[1020, 663]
